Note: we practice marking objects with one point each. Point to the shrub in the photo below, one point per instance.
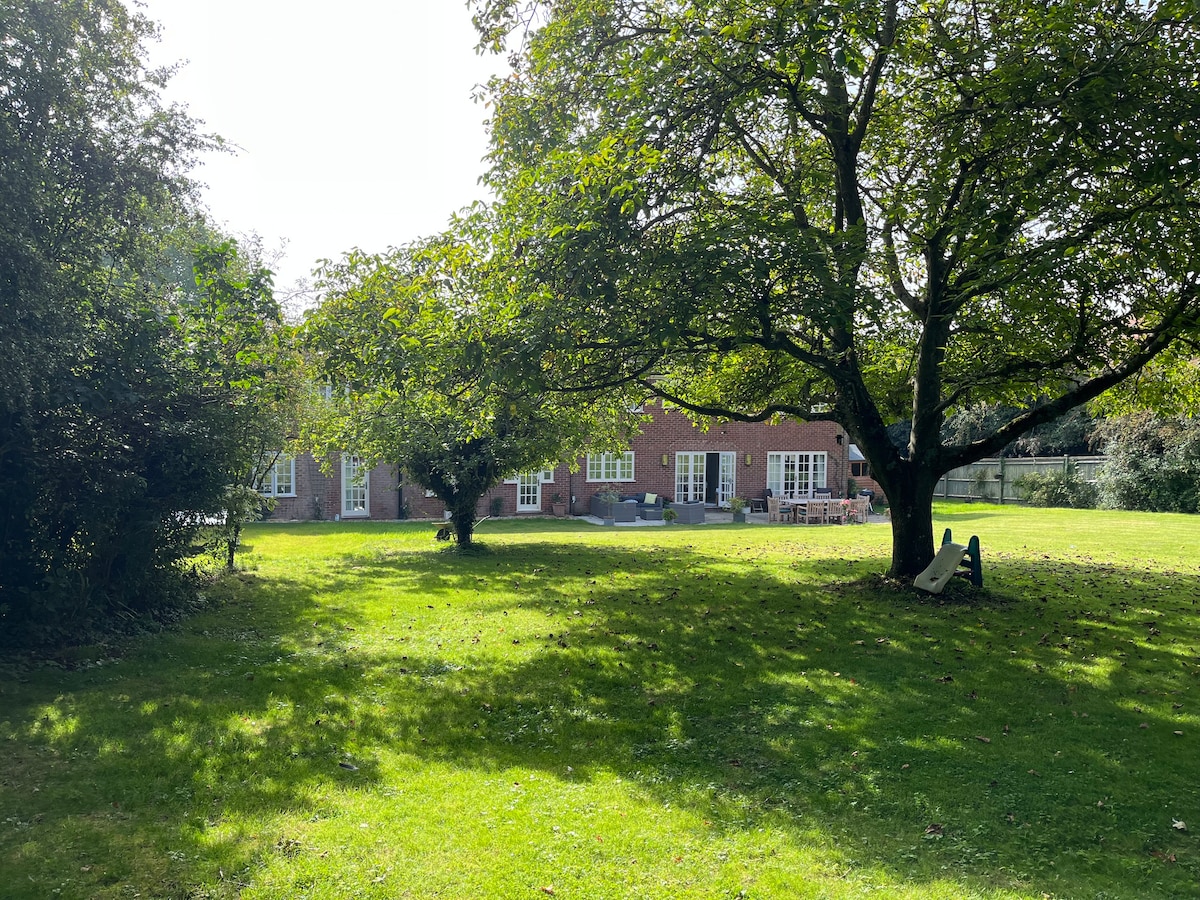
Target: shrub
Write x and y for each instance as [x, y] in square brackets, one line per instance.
[1065, 489]
[1153, 465]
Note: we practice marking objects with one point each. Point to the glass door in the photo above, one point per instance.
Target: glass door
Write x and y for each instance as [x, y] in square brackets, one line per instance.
[728, 486]
[689, 477]
[355, 487]
[529, 492]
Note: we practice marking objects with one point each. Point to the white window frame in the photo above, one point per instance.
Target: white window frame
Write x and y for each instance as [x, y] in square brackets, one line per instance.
[602, 467]
[546, 476]
[270, 484]
[796, 472]
[691, 476]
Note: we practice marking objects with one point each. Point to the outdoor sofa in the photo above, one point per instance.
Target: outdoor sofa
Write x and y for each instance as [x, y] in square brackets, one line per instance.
[689, 513]
[653, 506]
[619, 510]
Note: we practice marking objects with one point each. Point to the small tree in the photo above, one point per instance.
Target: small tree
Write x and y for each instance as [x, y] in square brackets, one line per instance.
[250, 375]
[430, 380]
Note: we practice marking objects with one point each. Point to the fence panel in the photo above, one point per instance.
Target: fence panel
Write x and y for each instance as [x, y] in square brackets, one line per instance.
[994, 479]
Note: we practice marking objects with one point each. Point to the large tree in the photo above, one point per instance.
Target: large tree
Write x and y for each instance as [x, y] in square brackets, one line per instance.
[866, 211]
[424, 373]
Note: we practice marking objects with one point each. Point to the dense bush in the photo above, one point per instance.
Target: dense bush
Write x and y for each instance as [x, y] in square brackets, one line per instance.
[1061, 488]
[122, 420]
[1153, 465]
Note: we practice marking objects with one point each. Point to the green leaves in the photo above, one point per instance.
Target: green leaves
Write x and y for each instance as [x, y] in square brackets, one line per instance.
[452, 389]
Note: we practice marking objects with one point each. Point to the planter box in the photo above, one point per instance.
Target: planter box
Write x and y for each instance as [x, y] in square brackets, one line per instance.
[689, 513]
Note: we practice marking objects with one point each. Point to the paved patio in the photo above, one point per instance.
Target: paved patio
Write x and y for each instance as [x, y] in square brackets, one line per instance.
[717, 517]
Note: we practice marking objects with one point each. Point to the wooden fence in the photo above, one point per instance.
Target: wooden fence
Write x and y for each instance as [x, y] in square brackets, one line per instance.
[993, 479]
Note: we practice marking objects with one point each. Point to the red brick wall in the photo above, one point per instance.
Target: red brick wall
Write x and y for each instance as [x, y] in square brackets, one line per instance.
[671, 432]
[867, 483]
[319, 494]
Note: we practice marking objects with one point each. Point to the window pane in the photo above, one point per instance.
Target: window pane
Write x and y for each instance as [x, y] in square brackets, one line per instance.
[285, 476]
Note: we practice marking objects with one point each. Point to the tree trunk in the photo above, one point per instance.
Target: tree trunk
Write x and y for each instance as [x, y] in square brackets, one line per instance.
[910, 500]
[462, 517]
[231, 547]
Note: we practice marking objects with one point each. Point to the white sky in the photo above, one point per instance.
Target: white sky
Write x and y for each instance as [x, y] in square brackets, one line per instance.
[354, 117]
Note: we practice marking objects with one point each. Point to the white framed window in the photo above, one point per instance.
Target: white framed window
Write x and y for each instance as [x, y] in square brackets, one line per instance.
[546, 476]
[693, 471]
[796, 473]
[280, 479]
[610, 466]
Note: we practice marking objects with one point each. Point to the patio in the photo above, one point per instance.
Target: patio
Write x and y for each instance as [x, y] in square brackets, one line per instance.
[720, 517]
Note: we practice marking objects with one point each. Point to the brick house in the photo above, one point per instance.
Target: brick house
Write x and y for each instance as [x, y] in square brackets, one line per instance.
[671, 457]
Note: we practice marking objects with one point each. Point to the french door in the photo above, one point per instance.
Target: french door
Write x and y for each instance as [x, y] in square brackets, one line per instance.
[529, 492]
[705, 477]
[355, 487]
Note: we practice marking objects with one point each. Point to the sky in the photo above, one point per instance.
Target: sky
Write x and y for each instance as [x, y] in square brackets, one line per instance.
[353, 119]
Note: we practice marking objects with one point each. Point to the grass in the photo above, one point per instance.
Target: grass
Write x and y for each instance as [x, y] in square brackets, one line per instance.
[716, 712]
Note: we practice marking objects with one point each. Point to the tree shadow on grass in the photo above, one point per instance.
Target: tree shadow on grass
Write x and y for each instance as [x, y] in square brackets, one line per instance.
[1001, 742]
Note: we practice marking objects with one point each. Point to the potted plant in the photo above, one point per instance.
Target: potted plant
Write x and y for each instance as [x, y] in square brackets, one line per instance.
[738, 505]
[558, 506]
[669, 515]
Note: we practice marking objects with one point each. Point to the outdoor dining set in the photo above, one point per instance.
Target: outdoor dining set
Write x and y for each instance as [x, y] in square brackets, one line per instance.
[818, 510]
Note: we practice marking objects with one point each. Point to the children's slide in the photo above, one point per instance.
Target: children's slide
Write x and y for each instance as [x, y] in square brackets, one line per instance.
[942, 569]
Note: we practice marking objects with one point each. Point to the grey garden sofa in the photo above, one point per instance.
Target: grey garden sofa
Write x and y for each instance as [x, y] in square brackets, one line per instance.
[642, 505]
[689, 513]
[620, 511]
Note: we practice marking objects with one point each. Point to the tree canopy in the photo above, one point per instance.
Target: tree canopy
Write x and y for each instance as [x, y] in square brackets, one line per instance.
[423, 374]
[866, 211]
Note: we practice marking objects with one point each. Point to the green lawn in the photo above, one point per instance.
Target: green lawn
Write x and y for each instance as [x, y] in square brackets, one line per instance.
[707, 712]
